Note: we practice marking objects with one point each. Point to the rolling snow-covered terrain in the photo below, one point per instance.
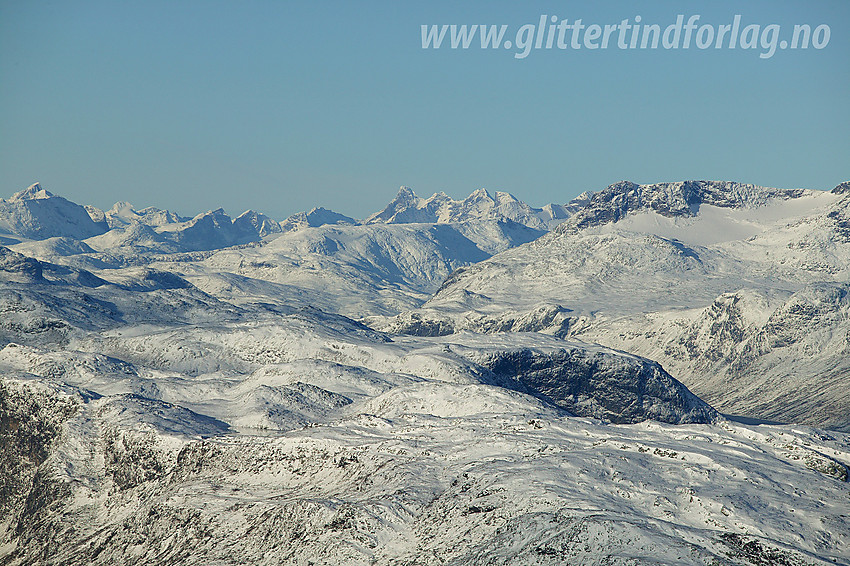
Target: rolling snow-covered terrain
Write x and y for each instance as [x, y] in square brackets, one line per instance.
[740, 291]
[470, 381]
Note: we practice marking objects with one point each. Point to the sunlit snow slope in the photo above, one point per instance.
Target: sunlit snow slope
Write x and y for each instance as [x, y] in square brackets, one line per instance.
[469, 381]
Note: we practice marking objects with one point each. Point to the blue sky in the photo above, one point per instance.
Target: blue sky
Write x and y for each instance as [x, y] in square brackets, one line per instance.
[282, 106]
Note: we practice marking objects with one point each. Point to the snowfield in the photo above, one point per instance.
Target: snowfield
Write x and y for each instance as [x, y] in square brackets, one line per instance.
[471, 381]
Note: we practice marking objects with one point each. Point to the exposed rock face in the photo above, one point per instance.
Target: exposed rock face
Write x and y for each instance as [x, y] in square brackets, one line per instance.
[20, 267]
[601, 385]
[254, 225]
[551, 319]
[31, 418]
[842, 189]
[680, 199]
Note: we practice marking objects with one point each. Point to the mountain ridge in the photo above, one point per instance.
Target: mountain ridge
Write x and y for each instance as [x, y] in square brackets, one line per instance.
[198, 390]
[677, 199]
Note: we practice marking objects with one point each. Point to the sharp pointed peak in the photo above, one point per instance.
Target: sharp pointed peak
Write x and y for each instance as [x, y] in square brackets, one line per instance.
[479, 195]
[33, 192]
[404, 190]
[504, 195]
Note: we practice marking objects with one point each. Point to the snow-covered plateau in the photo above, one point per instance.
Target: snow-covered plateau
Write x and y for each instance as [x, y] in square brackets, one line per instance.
[647, 374]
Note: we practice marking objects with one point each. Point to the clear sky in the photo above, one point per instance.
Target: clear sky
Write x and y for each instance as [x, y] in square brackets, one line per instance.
[282, 106]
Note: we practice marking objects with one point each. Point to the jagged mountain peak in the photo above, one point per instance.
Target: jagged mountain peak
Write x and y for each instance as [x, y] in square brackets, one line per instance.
[404, 197]
[504, 197]
[38, 214]
[253, 221]
[718, 193]
[479, 194]
[405, 207]
[440, 208]
[217, 212]
[671, 199]
[436, 199]
[842, 189]
[123, 213]
[405, 191]
[33, 192]
[250, 213]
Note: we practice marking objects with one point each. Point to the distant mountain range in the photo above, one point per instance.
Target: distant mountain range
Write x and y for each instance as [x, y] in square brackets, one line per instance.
[37, 214]
[473, 381]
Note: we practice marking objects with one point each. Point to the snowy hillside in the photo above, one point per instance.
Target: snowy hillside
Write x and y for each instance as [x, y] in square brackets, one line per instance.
[432, 473]
[354, 270]
[445, 382]
[639, 268]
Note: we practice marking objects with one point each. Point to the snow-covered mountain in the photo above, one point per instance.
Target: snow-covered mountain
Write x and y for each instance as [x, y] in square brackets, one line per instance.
[406, 208]
[446, 382]
[122, 214]
[643, 267]
[353, 270]
[37, 214]
[207, 231]
[673, 200]
[314, 218]
[318, 258]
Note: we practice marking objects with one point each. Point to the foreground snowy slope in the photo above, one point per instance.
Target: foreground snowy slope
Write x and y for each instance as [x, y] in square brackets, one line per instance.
[436, 473]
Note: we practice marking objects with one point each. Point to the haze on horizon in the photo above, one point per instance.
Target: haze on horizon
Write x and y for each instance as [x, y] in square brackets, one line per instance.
[281, 107]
